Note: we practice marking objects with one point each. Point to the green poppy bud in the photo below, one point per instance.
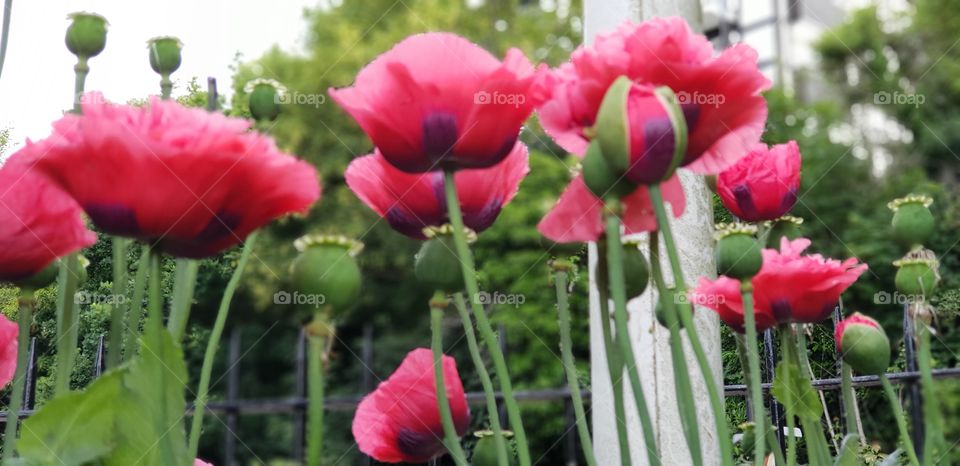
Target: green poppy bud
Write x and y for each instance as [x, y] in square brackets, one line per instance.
[863, 344]
[266, 95]
[326, 268]
[164, 54]
[912, 221]
[748, 438]
[738, 251]
[636, 272]
[42, 278]
[437, 265]
[81, 270]
[600, 179]
[787, 226]
[918, 273]
[86, 35]
[660, 309]
[485, 451]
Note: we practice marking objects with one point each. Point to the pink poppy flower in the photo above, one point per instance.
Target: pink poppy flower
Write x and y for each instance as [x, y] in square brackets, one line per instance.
[578, 214]
[189, 181]
[764, 184]
[719, 95]
[400, 422]
[409, 202]
[790, 287]
[437, 101]
[200, 462]
[8, 350]
[38, 221]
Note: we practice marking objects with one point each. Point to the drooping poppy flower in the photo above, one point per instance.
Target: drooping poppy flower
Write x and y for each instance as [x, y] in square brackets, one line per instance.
[790, 287]
[189, 181]
[400, 422]
[8, 350]
[38, 222]
[720, 96]
[411, 201]
[578, 214]
[438, 101]
[764, 184]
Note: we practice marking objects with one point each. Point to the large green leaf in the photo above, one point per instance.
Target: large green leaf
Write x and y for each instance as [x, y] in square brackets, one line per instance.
[847, 456]
[792, 389]
[75, 428]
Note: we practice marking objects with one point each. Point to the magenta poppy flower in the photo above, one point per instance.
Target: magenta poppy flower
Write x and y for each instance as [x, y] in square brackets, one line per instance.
[412, 201]
[189, 181]
[8, 350]
[38, 221]
[437, 101]
[400, 422]
[200, 462]
[790, 287]
[719, 95]
[764, 184]
[578, 214]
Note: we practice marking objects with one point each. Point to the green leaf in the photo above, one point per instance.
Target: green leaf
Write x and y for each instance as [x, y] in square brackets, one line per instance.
[792, 389]
[847, 456]
[75, 428]
[150, 427]
[893, 459]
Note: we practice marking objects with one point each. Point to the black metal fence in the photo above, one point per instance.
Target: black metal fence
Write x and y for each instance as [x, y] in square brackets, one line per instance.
[231, 407]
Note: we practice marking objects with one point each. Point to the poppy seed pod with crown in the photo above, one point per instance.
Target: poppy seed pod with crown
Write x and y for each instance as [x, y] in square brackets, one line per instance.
[738, 251]
[265, 97]
[912, 221]
[918, 273]
[437, 265]
[863, 344]
[86, 35]
[485, 451]
[787, 227]
[326, 267]
[164, 54]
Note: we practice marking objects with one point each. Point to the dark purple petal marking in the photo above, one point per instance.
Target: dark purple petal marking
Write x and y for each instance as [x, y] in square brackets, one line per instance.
[748, 210]
[789, 199]
[656, 156]
[482, 219]
[781, 310]
[419, 444]
[115, 219]
[405, 223]
[439, 135]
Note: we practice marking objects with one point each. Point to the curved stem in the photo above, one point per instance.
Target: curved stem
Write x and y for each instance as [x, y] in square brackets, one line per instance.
[901, 420]
[849, 399]
[451, 438]
[753, 374]
[118, 305]
[24, 320]
[184, 282]
[619, 294]
[492, 411]
[67, 334]
[135, 313]
[566, 354]
[614, 361]
[317, 345]
[483, 323]
[686, 317]
[200, 404]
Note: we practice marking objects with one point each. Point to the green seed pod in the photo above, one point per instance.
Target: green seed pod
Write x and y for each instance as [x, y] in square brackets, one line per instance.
[912, 221]
[42, 278]
[748, 438]
[636, 272]
[81, 271]
[787, 226]
[485, 451]
[437, 266]
[600, 179]
[917, 273]
[738, 252]
[266, 96]
[660, 310]
[164, 54]
[326, 269]
[86, 35]
[863, 344]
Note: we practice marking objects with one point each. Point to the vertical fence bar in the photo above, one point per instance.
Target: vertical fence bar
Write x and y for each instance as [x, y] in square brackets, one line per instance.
[569, 433]
[502, 330]
[916, 401]
[300, 392]
[367, 382]
[30, 383]
[233, 388]
[769, 367]
[98, 361]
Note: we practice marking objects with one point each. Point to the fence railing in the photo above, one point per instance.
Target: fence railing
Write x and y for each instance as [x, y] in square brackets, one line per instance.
[232, 407]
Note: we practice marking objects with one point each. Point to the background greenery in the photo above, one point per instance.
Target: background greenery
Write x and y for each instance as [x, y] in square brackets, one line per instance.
[848, 176]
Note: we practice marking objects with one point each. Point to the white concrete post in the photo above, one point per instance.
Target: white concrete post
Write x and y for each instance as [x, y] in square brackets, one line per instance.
[650, 341]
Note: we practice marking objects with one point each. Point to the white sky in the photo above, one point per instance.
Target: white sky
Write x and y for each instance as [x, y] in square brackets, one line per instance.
[37, 80]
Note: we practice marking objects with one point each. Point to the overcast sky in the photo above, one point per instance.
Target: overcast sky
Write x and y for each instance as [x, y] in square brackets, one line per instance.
[37, 80]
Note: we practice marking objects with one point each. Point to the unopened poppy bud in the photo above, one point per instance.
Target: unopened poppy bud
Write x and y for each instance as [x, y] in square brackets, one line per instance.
[787, 226]
[485, 451]
[748, 438]
[437, 265]
[738, 251]
[164, 54]
[266, 95]
[81, 270]
[660, 308]
[636, 272]
[600, 179]
[863, 344]
[42, 278]
[912, 221]
[326, 269]
[86, 35]
[917, 273]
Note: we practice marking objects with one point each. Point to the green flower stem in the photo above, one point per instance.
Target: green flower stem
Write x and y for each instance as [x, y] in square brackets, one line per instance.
[451, 439]
[67, 334]
[686, 317]
[492, 411]
[933, 443]
[808, 369]
[154, 295]
[166, 86]
[619, 294]
[200, 404]
[118, 307]
[753, 374]
[24, 321]
[763, 421]
[686, 406]
[614, 361]
[483, 323]
[80, 78]
[316, 347]
[818, 452]
[184, 282]
[135, 313]
[566, 354]
[849, 399]
[901, 420]
[785, 355]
